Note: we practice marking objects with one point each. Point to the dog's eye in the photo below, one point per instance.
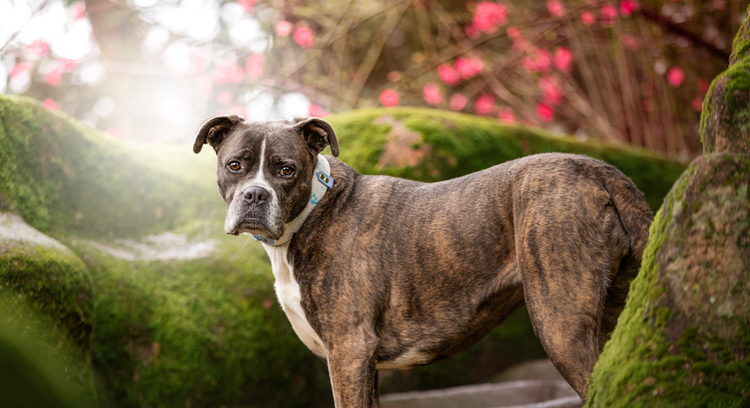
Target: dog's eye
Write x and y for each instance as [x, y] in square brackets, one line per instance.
[287, 171]
[234, 165]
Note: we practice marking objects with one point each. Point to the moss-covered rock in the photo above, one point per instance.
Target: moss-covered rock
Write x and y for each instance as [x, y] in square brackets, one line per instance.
[683, 338]
[433, 145]
[186, 315]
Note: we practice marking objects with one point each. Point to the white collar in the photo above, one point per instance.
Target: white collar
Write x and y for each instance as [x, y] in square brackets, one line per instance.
[321, 182]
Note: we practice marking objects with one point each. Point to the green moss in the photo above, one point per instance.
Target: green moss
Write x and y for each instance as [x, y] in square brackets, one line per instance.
[658, 355]
[39, 366]
[459, 144]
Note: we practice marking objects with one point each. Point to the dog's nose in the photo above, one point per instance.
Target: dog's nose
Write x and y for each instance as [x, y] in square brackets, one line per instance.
[255, 195]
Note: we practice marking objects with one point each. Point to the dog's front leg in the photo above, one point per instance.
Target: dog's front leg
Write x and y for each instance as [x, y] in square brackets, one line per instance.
[351, 365]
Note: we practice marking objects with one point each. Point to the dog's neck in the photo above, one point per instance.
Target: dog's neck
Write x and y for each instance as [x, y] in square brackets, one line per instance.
[321, 182]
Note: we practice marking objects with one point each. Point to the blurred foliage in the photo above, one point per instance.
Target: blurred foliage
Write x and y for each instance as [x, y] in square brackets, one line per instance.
[624, 71]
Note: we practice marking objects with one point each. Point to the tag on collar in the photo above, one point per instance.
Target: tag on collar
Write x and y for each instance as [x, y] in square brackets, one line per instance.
[325, 179]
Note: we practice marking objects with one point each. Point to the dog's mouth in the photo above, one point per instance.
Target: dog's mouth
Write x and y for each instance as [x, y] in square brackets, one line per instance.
[253, 224]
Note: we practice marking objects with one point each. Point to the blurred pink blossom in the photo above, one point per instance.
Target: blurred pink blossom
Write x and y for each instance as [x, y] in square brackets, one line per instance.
[529, 64]
[37, 49]
[21, 68]
[588, 18]
[283, 28]
[551, 92]
[227, 72]
[53, 77]
[68, 65]
[448, 74]
[254, 65]
[457, 102]
[431, 94]
[555, 8]
[513, 32]
[197, 61]
[697, 104]
[608, 14]
[563, 59]
[113, 131]
[505, 115]
[247, 5]
[629, 41]
[543, 60]
[471, 32]
[78, 11]
[488, 16]
[484, 104]
[393, 76]
[50, 104]
[224, 98]
[545, 112]
[469, 67]
[316, 111]
[389, 98]
[303, 36]
[703, 86]
[627, 7]
[520, 44]
[675, 76]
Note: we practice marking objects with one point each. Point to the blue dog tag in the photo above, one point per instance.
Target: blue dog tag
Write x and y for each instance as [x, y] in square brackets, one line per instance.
[325, 179]
[263, 239]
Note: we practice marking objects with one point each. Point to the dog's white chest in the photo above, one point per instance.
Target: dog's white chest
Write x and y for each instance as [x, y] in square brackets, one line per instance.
[287, 290]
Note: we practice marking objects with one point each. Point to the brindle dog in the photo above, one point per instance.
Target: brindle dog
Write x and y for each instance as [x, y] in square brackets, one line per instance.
[389, 273]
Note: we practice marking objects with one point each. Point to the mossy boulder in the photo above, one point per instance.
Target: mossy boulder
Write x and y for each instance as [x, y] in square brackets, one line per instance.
[683, 339]
[186, 315]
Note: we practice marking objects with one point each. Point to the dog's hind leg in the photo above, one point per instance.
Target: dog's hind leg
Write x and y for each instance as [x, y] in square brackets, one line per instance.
[566, 253]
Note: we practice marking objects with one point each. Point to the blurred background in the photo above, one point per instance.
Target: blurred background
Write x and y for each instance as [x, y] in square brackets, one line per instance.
[625, 72]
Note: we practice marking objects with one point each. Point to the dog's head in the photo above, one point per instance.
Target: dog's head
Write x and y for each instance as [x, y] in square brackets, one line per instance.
[265, 169]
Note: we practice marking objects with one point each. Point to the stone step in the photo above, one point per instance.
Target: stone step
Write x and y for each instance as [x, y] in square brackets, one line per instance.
[514, 394]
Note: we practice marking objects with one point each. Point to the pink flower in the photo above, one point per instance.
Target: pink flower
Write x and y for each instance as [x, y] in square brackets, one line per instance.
[703, 86]
[431, 94]
[505, 115]
[254, 65]
[197, 61]
[247, 5]
[224, 98]
[316, 111]
[543, 60]
[457, 102]
[629, 41]
[471, 32]
[520, 44]
[529, 64]
[283, 28]
[551, 92]
[204, 84]
[513, 32]
[675, 76]
[21, 68]
[68, 65]
[53, 77]
[50, 104]
[555, 8]
[469, 67]
[697, 104]
[304, 37]
[488, 16]
[37, 49]
[227, 72]
[113, 131]
[484, 104]
[545, 112]
[393, 76]
[448, 74]
[608, 13]
[389, 98]
[627, 7]
[588, 18]
[563, 59]
[78, 11]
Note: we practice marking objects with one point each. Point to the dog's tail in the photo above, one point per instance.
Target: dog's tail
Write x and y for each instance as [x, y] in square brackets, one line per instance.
[635, 218]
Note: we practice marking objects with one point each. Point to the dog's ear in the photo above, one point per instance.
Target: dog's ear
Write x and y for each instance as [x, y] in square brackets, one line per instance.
[318, 134]
[214, 131]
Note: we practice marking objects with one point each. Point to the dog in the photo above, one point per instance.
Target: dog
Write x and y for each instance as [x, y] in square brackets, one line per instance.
[376, 272]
